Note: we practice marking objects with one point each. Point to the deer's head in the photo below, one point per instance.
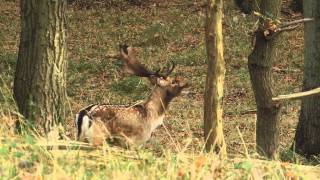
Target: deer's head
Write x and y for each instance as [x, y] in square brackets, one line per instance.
[171, 86]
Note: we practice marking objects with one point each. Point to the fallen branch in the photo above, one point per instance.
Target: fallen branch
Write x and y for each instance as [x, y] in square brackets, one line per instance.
[244, 112]
[298, 95]
[112, 56]
[280, 70]
[65, 145]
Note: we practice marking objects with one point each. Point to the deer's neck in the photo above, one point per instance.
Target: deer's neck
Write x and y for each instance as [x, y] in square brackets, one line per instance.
[158, 102]
[156, 106]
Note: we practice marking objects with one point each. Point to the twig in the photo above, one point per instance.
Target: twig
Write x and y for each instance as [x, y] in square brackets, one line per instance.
[244, 144]
[178, 148]
[298, 95]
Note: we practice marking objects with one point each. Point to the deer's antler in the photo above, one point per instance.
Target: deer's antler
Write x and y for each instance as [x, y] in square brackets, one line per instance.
[169, 70]
[132, 66]
[130, 63]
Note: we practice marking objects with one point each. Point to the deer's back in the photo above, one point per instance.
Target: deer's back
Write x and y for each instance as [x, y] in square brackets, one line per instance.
[117, 121]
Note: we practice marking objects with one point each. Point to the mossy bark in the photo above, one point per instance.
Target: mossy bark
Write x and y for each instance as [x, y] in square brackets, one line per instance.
[307, 140]
[213, 110]
[40, 77]
[260, 63]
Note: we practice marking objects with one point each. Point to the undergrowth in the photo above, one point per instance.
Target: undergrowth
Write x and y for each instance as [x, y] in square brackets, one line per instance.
[28, 156]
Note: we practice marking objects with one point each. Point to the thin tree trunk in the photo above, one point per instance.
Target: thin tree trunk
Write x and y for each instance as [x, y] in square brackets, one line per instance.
[215, 79]
[260, 64]
[40, 78]
[307, 140]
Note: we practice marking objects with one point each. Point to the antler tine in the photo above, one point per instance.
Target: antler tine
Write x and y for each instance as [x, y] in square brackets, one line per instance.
[169, 71]
[124, 48]
[124, 54]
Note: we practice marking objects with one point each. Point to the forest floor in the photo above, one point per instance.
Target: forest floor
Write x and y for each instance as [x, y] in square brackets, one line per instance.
[164, 31]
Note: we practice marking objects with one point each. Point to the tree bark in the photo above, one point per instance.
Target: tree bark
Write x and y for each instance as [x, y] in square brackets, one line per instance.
[297, 5]
[215, 79]
[260, 65]
[40, 77]
[248, 6]
[307, 140]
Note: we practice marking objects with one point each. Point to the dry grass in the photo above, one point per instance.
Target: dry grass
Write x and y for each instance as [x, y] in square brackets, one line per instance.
[161, 31]
[28, 156]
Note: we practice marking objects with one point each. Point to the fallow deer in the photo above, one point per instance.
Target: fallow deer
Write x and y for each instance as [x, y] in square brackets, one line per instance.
[130, 125]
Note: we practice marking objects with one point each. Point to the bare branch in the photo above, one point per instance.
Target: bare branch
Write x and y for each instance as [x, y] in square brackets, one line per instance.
[280, 30]
[298, 95]
[286, 24]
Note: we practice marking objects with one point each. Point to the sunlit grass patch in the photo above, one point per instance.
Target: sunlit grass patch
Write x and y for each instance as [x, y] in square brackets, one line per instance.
[133, 87]
[192, 56]
[31, 157]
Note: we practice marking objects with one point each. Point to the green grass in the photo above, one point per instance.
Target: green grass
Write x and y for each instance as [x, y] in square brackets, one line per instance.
[133, 87]
[170, 32]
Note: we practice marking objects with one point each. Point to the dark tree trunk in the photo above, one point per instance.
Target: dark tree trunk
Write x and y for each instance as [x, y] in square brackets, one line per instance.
[40, 78]
[297, 5]
[260, 65]
[307, 139]
[248, 6]
[215, 79]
